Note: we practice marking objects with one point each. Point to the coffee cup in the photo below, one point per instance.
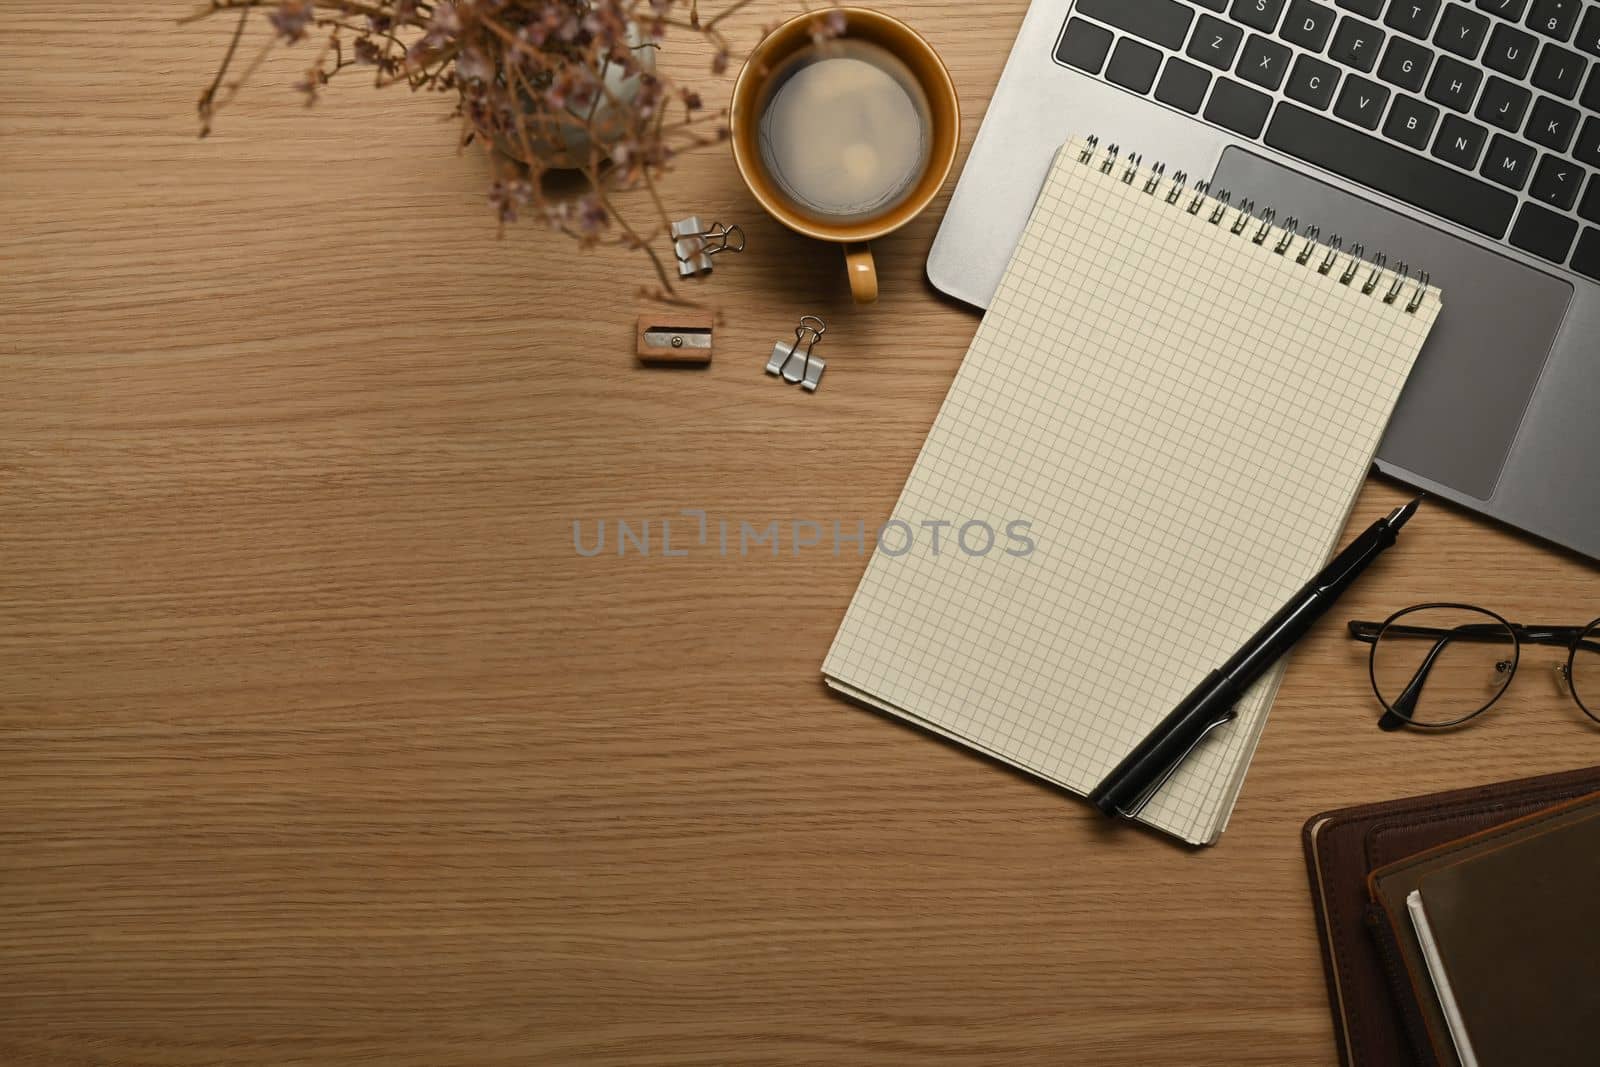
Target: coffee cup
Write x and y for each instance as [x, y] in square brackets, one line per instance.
[845, 137]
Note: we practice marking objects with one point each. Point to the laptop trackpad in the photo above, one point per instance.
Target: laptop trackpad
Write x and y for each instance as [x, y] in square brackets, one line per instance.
[1464, 401]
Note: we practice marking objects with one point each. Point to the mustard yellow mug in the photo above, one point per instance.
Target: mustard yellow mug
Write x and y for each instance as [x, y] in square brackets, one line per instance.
[811, 138]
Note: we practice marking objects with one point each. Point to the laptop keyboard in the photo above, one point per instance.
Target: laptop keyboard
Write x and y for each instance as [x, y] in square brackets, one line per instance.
[1486, 114]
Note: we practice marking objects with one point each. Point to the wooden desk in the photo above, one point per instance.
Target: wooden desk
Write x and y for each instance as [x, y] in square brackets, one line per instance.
[319, 743]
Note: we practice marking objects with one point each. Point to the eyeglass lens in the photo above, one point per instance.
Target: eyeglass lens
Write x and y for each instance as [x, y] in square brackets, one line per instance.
[1584, 671]
[1440, 665]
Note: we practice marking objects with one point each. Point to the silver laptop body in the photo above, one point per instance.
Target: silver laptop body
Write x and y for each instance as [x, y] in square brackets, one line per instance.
[1502, 414]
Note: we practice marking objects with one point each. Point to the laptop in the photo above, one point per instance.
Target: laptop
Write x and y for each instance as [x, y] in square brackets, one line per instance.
[1462, 139]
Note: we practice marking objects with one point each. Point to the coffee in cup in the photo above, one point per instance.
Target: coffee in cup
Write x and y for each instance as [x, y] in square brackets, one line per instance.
[845, 139]
[845, 130]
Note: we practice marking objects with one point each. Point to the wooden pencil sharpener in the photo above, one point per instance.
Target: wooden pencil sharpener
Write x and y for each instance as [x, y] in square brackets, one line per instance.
[678, 337]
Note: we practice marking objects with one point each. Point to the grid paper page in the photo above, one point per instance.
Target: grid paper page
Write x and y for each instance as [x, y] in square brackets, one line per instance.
[1185, 418]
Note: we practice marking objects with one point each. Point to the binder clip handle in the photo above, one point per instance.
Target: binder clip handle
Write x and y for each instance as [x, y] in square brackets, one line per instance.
[785, 357]
[694, 244]
[812, 325]
[719, 239]
[808, 333]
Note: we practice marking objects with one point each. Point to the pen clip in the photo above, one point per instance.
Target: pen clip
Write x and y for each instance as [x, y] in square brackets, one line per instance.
[1139, 802]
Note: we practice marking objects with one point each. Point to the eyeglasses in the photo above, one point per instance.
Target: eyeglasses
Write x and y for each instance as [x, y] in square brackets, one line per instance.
[1436, 666]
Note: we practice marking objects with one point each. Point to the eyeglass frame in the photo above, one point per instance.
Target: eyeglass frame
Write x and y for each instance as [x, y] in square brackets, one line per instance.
[1569, 637]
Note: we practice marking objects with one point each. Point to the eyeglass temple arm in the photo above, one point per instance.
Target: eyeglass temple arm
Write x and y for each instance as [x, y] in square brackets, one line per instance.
[1562, 636]
[1398, 712]
[1364, 630]
[1565, 636]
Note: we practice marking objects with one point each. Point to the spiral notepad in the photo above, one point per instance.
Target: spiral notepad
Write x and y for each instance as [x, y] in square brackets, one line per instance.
[1181, 399]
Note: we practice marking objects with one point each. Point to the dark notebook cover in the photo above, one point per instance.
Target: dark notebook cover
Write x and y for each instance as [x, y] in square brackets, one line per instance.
[1513, 915]
[1391, 884]
[1374, 1026]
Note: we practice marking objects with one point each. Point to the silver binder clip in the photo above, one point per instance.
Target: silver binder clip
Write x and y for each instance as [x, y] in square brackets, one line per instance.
[695, 244]
[799, 367]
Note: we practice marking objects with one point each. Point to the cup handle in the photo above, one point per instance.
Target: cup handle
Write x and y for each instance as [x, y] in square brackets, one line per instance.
[863, 273]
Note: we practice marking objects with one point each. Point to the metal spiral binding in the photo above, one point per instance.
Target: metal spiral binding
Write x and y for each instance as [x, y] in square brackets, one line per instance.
[1265, 222]
[1310, 246]
[1247, 210]
[1357, 253]
[1335, 246]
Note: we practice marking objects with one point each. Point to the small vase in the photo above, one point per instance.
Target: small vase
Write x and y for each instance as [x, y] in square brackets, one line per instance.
[572, 140]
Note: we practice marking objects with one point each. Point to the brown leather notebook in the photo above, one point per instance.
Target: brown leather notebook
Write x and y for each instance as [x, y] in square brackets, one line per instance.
[1374, 1026]
[1509, 917]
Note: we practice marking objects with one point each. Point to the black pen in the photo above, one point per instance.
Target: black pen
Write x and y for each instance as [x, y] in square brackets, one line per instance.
[1215, 700]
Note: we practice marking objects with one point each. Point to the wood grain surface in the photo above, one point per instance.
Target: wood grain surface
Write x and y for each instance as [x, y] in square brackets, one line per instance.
[320, 743]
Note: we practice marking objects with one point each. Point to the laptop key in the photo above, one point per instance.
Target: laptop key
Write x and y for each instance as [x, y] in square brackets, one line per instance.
[1235, 107]
[1553, 124]
[1559, 71]
[1264, 62]
[1544, 233]
[1506, 9]
[1313, 82]
[1510, 51]
[1405, 63]
[1588, 39]
[1133, 65]
[1586, 260]
[1258, 14]
[1587, 150]
[1461, 142]
[1183, 85]
[1591, 91]
[1084, 45]
[1361, 102]
[1508, 162]
[1589, 208]
[1503, 104]
[1554, 18]
[1163, 22]
[1370, 8]
[1411, 122]
[1412, 16]
[1462, 31]
[1308, 25]
[1399, 172]
[1215, 42]
[1454, 84]
[1356, 44]
[1556, 182]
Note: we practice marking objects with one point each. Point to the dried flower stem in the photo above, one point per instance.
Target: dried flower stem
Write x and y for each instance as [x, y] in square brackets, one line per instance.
[541, 85]
[208, 98]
